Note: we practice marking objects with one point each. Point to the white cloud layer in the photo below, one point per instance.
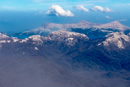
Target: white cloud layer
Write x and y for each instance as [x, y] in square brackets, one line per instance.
[122, 20]
[108, 17]
[81, 8]
[38, 0]
[5, 7]
[43, 0]
[57, 10]
[101, 9]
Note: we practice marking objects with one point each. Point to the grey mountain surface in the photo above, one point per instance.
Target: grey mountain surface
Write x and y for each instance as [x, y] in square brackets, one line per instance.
[113, 25]
[65, 58]
[73, 45]
[90, 29]
[83, 25]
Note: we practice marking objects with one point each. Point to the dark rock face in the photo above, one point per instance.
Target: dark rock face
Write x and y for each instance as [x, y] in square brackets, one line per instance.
[67, 54]
[106, 53]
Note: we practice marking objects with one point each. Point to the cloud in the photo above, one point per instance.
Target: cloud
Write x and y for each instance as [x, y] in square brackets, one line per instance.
[101, 9]
[57, 10]
[122, 4]
[108, 17]
[37, 0]
[81, 8]
[5, 7]
[122, 20]
[46, 0]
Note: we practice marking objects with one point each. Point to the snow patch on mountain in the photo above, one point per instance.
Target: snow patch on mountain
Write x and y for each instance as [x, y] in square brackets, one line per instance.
[46, 29]
[113, 25]
[59, 35]
[82, 25]
[38, 30]
[35, 48]
[69, 38]
[50, 27]
[3, 36]
[23, 40]
[36, 38]
[117, 39]
[6, 39]
[15, 39]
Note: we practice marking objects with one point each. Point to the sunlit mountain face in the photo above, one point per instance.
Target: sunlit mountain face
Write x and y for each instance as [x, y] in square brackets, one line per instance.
[66, 43]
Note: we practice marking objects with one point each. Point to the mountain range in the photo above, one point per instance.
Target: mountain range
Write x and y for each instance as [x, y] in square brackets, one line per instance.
[92, 30]
[73, 44]
[70, 53]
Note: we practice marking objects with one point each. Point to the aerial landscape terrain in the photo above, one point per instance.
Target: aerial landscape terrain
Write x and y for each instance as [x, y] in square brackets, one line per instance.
[66, 43]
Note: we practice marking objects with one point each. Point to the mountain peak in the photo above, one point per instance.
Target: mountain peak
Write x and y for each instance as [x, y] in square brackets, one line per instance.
[117, 38]
[69, 38]
[36, 37]
[113, 25]
[116, 22]
[63, 33]
[3, 36]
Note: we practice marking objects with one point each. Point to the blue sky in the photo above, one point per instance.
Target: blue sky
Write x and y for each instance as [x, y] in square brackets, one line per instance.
[20, 15]
[24, 5]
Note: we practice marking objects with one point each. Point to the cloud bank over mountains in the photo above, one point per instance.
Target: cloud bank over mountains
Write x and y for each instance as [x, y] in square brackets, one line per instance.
[57, 10]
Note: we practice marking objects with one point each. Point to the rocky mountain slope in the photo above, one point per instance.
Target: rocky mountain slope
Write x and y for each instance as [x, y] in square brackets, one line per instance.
[92, 30]
[113, 25]
[71, 44]
[65, 59]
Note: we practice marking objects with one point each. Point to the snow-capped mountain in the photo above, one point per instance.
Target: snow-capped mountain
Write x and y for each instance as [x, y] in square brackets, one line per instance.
[92, 30]
[69, 38]
[113, 25]
[76, 46]
[6, 39]
[67, 56]
[101, 30]
[82, 24]
[45, 29]
[118, 39]
[54, 27]
[3, 36]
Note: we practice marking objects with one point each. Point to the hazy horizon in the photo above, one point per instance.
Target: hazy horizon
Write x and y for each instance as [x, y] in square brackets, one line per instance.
[21, 15]
[47, 43]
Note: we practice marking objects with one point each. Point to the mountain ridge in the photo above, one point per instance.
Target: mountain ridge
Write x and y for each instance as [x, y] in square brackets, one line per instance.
[83, 26]
[113, 25]
[75, 46]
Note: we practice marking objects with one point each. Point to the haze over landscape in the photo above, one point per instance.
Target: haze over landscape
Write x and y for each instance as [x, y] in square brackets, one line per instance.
[21, 15]
[64, 43]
